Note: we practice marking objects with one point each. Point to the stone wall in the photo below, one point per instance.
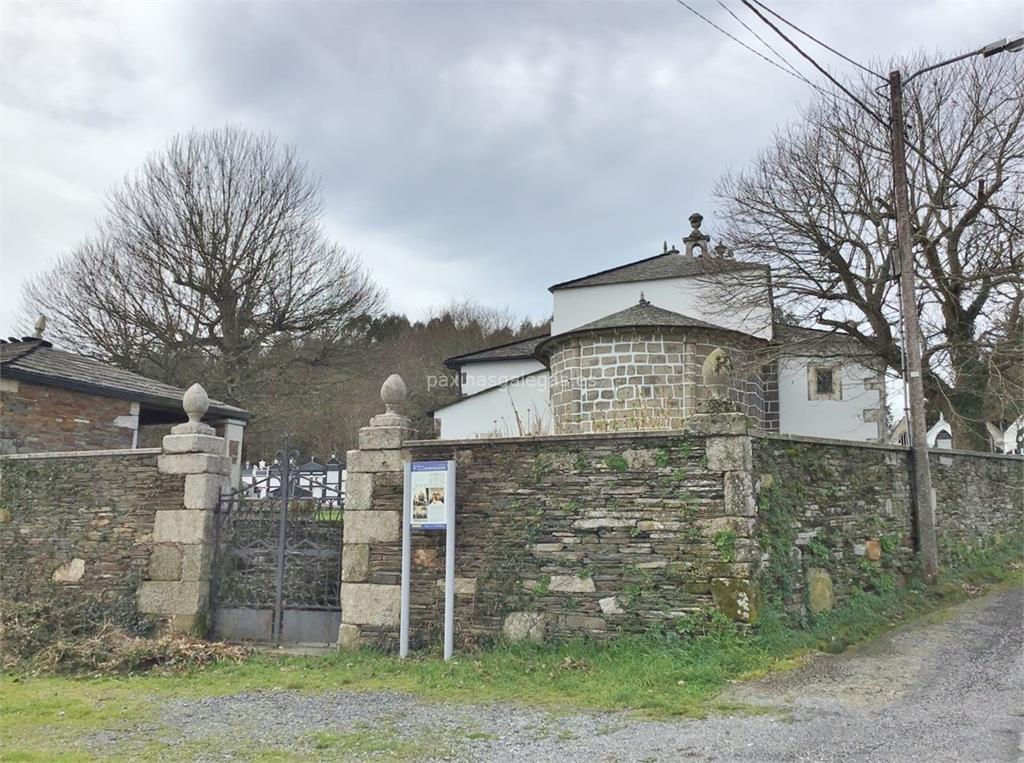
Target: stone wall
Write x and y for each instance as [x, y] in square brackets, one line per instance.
[835, 516]
[599, 534]
[596, 535]
[979, 495]
[645, 379]
[81, 523]
[556, 536]
[35, 418]
[118, 522]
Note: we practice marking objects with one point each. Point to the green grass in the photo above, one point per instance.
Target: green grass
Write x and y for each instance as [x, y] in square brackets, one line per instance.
[664, 674]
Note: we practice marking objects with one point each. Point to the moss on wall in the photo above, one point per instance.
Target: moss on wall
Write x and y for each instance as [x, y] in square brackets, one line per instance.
[844, 510]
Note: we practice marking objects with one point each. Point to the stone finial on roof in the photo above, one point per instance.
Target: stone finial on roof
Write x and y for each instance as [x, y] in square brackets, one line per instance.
[40, 327]
[393, 393]
[697, 241]
[643, 302]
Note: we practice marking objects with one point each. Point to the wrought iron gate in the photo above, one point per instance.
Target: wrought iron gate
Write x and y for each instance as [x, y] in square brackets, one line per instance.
[277, 564]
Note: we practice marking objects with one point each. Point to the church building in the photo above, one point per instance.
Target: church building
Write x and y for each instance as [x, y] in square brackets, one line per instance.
[645, 345]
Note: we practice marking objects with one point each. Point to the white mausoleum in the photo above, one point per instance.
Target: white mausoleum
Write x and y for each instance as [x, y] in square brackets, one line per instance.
[645, 345]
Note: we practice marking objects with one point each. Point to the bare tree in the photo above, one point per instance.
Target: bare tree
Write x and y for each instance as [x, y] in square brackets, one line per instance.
[817, 207]
[209, 256]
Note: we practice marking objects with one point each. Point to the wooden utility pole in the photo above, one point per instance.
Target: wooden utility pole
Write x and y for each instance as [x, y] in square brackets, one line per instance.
[923, 500]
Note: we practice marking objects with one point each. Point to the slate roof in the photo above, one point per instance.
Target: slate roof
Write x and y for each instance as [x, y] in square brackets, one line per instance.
[17, 347]
[519, 349]
[667, 265]
[641, 315]
[36, 360]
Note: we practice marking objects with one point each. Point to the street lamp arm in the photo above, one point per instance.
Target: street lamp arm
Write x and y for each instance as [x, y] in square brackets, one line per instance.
[1006, 45]
[939, 65]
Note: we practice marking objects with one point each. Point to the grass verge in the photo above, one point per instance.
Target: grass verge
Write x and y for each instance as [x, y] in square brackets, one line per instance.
[47, 717]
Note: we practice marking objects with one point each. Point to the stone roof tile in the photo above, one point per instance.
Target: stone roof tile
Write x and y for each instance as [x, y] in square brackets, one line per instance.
[519, 349]
[668, 265]
[36, 360]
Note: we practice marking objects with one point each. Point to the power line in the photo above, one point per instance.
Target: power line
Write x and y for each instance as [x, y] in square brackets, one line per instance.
[822, 44]
[815, 64]
[793, 72]
[912, 147]
[762, 40]
[740, 42]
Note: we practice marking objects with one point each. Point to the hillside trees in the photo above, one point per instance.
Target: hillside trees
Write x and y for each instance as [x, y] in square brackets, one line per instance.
[325, 407]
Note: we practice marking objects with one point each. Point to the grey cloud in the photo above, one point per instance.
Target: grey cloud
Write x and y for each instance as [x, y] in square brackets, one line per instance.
[507, 146]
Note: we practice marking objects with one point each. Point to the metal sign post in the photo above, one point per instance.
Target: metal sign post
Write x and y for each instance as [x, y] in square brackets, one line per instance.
[403, 627]
[428, 503]
[449, 563]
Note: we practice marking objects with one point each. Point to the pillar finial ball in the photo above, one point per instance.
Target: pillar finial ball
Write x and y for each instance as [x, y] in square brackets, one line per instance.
[393, 393]
[195, 401]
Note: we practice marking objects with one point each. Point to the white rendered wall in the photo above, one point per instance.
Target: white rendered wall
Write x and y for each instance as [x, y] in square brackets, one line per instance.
[839, 419]
[492, 413]
[481, 376]
[693, 297]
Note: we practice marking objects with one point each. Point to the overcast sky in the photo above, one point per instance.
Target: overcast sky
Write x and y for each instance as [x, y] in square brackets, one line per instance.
[483, 150]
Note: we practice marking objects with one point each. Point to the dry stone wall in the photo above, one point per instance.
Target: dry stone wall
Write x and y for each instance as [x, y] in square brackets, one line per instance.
[112, 524]
[80, 524]
[979, 496]
[556, 536]
[600, 534]
[596, 536]
[834, 517]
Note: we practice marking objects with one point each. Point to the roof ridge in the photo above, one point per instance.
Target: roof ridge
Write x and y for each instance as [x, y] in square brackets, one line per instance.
[660, 267]
[455, 358]
[613, 269]
[32, 343]
[649, 306]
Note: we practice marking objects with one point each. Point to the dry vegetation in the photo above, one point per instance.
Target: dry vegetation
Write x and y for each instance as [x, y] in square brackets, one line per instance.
[97, 637]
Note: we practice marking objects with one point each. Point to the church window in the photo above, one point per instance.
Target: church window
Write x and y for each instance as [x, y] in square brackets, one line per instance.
[823, 383]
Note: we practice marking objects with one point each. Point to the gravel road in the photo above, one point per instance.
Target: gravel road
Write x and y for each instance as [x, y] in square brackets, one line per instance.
[949, 687]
